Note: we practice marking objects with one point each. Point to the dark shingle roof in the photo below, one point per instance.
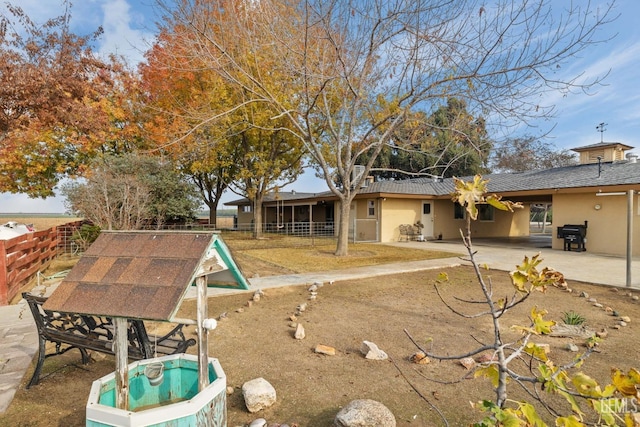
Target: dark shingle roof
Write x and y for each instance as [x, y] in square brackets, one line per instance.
[616, 173]
[281, 196]
[587, 175]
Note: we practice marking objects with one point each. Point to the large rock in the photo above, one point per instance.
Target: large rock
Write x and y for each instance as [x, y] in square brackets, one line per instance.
[258, 394]
[325, 349]
[372, 351]
[299, 334]
[365, 413]
[571, 331]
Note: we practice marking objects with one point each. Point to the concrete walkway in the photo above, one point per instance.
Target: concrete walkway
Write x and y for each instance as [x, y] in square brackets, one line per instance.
[18, 337]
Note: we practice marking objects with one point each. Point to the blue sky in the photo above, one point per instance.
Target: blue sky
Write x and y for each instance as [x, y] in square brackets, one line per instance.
[129, 27]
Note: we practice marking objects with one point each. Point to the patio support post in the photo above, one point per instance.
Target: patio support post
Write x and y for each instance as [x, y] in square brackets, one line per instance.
[629, 235]
[203, 342]
[293, 219]
[629, 228]
[122, 368]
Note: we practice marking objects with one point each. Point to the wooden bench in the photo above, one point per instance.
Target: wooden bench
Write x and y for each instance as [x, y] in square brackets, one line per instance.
[408, 232]
[68, 331]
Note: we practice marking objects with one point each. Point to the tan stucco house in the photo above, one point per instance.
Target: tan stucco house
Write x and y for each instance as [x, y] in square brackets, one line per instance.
[599, 192]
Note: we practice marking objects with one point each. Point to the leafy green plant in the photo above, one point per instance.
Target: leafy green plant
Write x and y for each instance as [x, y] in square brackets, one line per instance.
[85, 236]
[573, 318]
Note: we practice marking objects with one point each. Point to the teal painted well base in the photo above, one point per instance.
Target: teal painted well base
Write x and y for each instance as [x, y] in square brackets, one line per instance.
[175, 402]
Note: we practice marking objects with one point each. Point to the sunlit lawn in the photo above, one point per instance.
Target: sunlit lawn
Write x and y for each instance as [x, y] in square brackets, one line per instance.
[302, 255]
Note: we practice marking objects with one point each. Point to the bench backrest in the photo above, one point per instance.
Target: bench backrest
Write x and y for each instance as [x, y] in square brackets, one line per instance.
[90, 332]
[408, 229]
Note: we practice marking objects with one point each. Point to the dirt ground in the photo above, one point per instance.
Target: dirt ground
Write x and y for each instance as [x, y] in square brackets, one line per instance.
[257, 341]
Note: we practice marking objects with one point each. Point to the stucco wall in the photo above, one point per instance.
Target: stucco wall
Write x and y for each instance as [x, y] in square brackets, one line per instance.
[607, 227]
[512, 224]
[405, 211]
[395, 212]
[505, 223]
[244, 218]
[444, 222]
[361, 208]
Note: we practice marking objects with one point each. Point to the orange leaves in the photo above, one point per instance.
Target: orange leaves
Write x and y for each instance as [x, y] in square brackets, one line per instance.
[55, 96]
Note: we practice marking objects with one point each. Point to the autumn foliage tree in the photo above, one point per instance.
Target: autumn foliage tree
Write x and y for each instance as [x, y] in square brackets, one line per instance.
[217, 138]
[177, 94]
[271, 159]
[356, 69]
[56, 97]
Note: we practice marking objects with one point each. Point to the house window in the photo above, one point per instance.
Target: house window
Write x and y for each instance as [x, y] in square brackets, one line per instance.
[371, 208]
[426, 208]
[485, 212]
[246, 208]
[459, 212]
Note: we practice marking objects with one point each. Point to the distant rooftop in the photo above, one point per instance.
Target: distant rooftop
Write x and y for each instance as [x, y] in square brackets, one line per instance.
[602, 145]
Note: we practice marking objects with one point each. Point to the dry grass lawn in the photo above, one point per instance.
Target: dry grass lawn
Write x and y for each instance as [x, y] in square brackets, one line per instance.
[282, 255]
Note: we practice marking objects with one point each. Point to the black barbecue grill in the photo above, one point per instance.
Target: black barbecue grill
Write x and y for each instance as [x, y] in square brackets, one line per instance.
[574, 235]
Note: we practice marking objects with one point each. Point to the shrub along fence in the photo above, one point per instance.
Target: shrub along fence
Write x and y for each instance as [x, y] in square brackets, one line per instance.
[22, 257]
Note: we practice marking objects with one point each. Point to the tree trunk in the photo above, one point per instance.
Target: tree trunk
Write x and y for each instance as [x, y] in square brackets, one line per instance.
[257, 217]
[544, 218]
[342, 248]
[213, 211]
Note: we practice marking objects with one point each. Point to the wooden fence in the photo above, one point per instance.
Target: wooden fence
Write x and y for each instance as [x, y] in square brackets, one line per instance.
[22, 257]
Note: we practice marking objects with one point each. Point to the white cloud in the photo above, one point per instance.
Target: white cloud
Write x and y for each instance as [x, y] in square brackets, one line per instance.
[128, 25]
[126, 32]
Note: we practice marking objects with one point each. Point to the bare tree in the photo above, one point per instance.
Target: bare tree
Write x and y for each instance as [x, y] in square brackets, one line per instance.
[113, 202]
[529, 153]
[130, 192]
[351, 70]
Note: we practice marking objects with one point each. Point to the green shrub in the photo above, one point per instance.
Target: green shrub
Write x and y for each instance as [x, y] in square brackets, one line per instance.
[85, 236]
[572, 318]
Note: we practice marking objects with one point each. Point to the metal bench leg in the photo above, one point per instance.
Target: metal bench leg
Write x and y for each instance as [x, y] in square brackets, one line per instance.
[85, 356]
[35, 378]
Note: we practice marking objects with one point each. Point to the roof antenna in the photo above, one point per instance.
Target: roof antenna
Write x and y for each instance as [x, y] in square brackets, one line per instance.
[599, 166]
[600, 128]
